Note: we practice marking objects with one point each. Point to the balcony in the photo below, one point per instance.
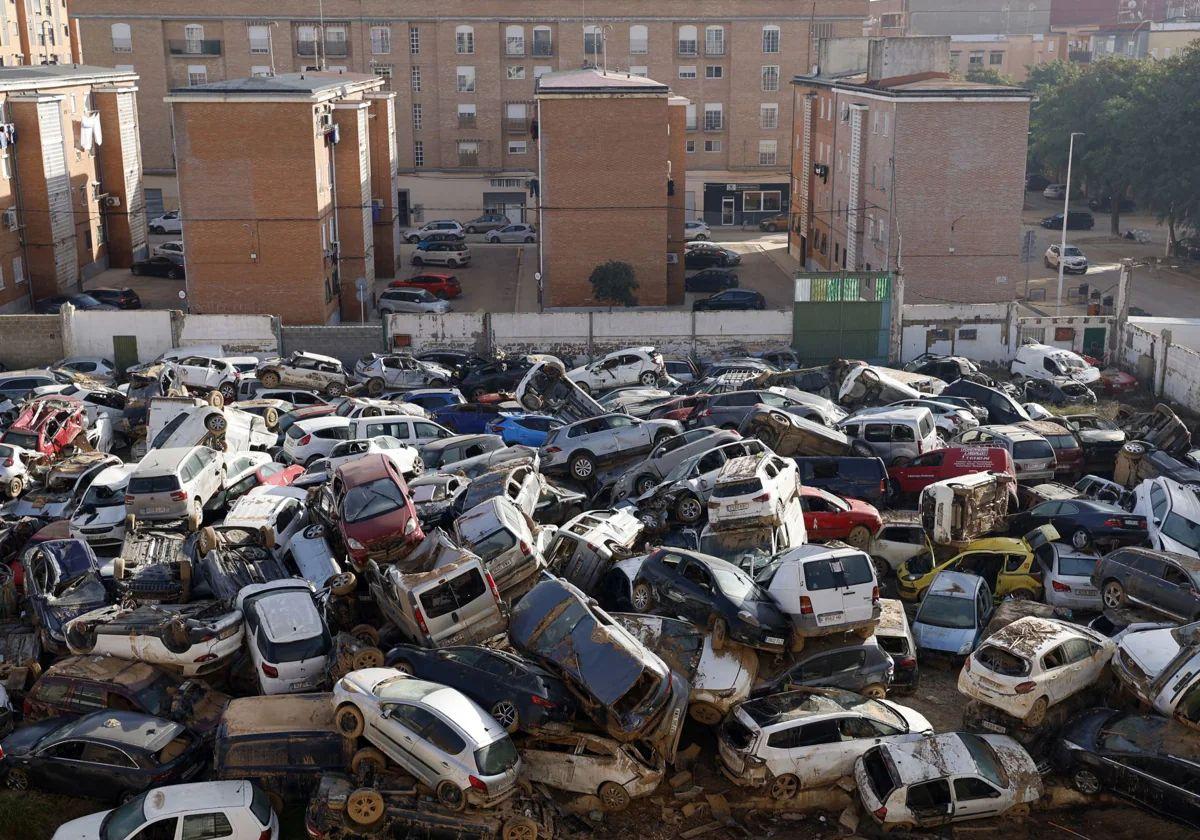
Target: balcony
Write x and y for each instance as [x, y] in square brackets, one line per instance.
[331, 48]
[468, 160]
[1080, 56]
[190, 46]
[466, 120]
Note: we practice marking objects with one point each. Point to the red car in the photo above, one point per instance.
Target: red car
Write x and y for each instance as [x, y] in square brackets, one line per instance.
[1115, 381]
[47, 425]
[678, 409]
[375, 514]
[831, 517]
[444, 286]
[950, 462]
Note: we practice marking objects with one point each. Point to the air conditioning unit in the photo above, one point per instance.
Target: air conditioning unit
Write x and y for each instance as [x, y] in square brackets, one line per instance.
[10, 218]
[672, 259]
[112, 201]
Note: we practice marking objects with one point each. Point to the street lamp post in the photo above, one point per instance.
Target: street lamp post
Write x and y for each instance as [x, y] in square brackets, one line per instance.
[1062, 248]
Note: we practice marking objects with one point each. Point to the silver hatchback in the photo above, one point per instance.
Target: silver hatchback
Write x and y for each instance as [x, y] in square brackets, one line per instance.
[175, 484]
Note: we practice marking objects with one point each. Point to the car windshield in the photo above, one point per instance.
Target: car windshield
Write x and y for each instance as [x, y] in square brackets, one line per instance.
[1072, 251]
[156, 697]
[876, 710]
[1182, 531]
[945, 611]
[986, 760]
[496, 757]
[736, 585]
[84, 300]
[122, 821]
[103, 495]
[1063, 442]
[1002, 661]
[375, 499]
[494, 544]
[1032, 450]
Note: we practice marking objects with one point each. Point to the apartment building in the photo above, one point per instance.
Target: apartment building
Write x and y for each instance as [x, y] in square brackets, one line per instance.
[1012, 56]
[1148, 39]
[970, 17]
[899, 166]
[70, 178]
[277, 176]
[464, 77]
[611, 151]
[36, 32]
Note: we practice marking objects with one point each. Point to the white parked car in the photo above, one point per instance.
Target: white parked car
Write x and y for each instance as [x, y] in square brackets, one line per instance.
[99, 519]
[307, 440]
[172, 250]
[93, 367]
[824, 589]
[209, 374]
[631, 366]
[951, 777]
[308, 553]
[694, 229]
[405, 457]
[949, 418]
[614, 772]
[1042, 361]
[166, 223]
[1161, 667]
[461, 752]
[1034, 663]
[444, 226]
[752, 490]
[284, 515]
[1172, 513]
[15, 462]
[577, 448]
[419, 301]
[809, 738]
[383, 371]
[1074, 261]
[1055, 191]
[512, 233]
[288, 640]
[238, 810]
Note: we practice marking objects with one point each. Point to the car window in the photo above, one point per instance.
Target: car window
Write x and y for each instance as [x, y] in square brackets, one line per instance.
[442, 736]
[877, 433]
[1055, 658]
[973, 788]
[206, 826]
[104, 754]
[1158, 500]
[1013, 563]
[1176, 577]
[158, 830]
[901, 432]
[67, 750]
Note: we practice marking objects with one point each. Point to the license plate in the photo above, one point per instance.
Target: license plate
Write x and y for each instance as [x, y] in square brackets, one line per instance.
[737, 506]
[774, 640]
[827, 618]
[993, 727]
[301, 684]
[156, 510]
[1087, 593]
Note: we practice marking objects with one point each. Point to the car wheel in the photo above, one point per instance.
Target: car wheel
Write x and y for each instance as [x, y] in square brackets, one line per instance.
[269, 379]
[195, 518]
[228, 391]
[1081, 538]
[613, 796]
[335, 389]
[859, 537]
[174, 274]
[901, 462]
[366, 634]
[471, 229]
[586, 388]
[506, 714]
[17, 779]
[207, 540]
[882, 568]
[15, 486]
[784, 787]
[648, 378]
[642, 597]
[342, 584]
[719, 634]
[642, 484]
[1037, 713]
[700, 237]
[414, 239]
[349, 721]
[876, 691]
[705, 713]
[367, 762]
[1085, 781]
[451, 795]
[365, 806]
[528, 240]
[368, 657]
[689, 509]
[417, 260]
[1113, 595]
[1134, 448]
[583, 467]
[452, 263]
[375, 386]
[1021, 595]
[519, 828]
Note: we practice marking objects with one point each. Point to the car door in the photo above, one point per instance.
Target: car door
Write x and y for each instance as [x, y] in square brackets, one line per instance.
[692, 596]
[820, 519]
[1176, 593]
[806, 750]
[924, 469]
[628, 432]
[1145, 579]
[164, 829]
[930, 802]
[975, 797]
[397, 731]
[1057, 679]
[54, 767]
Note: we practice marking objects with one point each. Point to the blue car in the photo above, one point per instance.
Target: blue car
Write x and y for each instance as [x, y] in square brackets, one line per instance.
[523, 429]
[431, 399]
[467, 418]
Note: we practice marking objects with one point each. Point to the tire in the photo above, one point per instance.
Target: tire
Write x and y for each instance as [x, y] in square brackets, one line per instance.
[375, 386]
[335, 389]
[643, 484]
[269, 379]
[859, 537]
[119, 568]
[216, 423]
[876, 691]
[528, 240]
[586, 388]
[349, 721]
[613, 796]
[507, 715]
[1081, 538]
[403, 666]
[174, 274]
[365, 806]
[1021, 595]
[195, 519]
[366, 634]
[470, 229]
[689, 509]
[367, 657]
[1037, 714]
[720, 634]
[783, 787]
[882, 568]
[902, 461]
[705, 714]
[271, 418]
[417, 260]
[1112, 595]
[185, 581]
[519, 828]
[642, 597]
[135, 271]
[14, 487]
[342, 584]
[1085, 781]
[701, 237]
[158, 230]
[367, 760]
[414, 239]
[451, 795]
[216, 399]
[648, 378]
[16, 779]
[229, 391]
[452, 263]
[582, 466]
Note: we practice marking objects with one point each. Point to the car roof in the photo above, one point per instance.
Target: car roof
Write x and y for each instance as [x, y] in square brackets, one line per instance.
[367, 468]
[816, 551]
[1183, 499]
[176, 799]
[288, 615]
[126, 728]
[166, 460]
[955, 584]
[277, 713]
[791, 705]
[1011, 432]
[932, 757]
[103, 669]
[307, 355]
[327, 421]
[1032, 635]
[256, 509]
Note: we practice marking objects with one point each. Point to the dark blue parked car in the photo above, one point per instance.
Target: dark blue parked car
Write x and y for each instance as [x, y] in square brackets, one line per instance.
[467, 418]
[524, 429]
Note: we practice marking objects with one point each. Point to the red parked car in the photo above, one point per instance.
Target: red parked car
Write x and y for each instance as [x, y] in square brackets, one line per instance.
[1068, 452]
[375, 514]
[828, 516]
[47, 425]
[444, 286]
[950, 462]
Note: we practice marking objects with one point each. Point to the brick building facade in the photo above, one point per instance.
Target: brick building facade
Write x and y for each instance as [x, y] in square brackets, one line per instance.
[898, 165]
[277, 177]
[37, 32]
[464, 76]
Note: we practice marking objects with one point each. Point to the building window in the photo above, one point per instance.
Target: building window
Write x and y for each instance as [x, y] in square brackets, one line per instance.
[122, 38]
[639, 70]
[975, 58]
[540, 70]
[768, 152]
[689, 146]
[687, 40]
[884, 125]
[261, 71]
[714, 71]
[714, 40]
[770, 77]
[193, 37]
[464, 40]
[466, 80]
[770, 38]
[593, 40]
[384, 71]
[466, 115]
[639, 40]
[381, 40]
[414, 41]
[761, 201]
[468, 153]
[954, 56]
[260, 39]
[714, 116]
[415, 77]
[822, 30]
[968, 334]
[197, 75]
[516, 117]
[687, 72]
[691, 116]
[418, 153]
[995, 58]
[18, 271]
[416, 116]
[712, 145]
[518, 147]
[768, 116]
[542, 41]
[515, 72]
[514, 40]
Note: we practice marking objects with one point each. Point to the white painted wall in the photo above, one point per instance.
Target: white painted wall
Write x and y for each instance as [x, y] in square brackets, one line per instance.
[455, 329]
[91, 333]
[238, 334]
[1181, 381]
[1185, 331]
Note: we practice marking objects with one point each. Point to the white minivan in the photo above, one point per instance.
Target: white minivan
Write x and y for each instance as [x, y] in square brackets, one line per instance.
[286, 634]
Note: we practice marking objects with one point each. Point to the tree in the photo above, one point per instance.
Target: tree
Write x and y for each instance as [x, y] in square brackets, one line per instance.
[978, 73]
[614, 281]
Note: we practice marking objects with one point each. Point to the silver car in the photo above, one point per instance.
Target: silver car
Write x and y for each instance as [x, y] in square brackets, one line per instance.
[673, 451]
[175, 484]
[578, 447]
[419, 301]
[512, 233]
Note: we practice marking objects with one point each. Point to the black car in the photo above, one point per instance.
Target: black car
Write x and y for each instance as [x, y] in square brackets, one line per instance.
[124, 298]
[1083, 522]
[1146, 758]
[52, 305]
[518, 694]
[731, 299]
[1058, 391]
[62, 581]
[108, 753]
[456, 361]
[710, 280]
[859, 478]
[707, 254]
[713, 594]
[864, 667]
[1033, 181]
[1103, 204]
[158, 267]
[1076, 220]
[498, 375]
[1001, 408]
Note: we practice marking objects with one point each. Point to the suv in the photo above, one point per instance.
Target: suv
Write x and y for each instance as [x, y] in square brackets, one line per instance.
[304, 370]
[624, 367]
[897, 435]
[286, 634]
[1076, 220]
[586, 547]
[381, 371]
[1165, 582]
[499, 532]
[752, 490]
[175, 484]
[452, 254]
[824, 589]
[418, 301]
[443, 226]
[486, 222]
[579, 447]
[1032, 455]
[694, 229]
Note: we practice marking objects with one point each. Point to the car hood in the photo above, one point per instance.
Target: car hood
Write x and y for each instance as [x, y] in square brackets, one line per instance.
[768, 614]
[84, 828]
[916, 721]
[25, 738]
[943, 639]
[1150, 650]
[861, 508]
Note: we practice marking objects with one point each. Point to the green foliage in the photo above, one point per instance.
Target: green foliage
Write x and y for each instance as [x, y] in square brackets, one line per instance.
[614, 282]
[978, 73]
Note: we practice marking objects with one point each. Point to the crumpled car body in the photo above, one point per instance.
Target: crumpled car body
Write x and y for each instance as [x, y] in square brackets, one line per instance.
[546, 389]
[1161, 667]
[232, 557]
[866, 385]
[304, 370]
[787, 434]
[49, 425]
[153, 566]
[62, 581]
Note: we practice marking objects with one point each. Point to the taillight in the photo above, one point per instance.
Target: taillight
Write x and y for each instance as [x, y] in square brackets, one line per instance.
[492, 586]
[8, 462]
[1059, 586]
[208, 657]
[477, 784]
[907, 662]
[879, 814]
[540, 701]
[762, 497]
[179, 495]
[553, 450]
[270, 670]
[1025, 687]
[421, 623]
[874, 594]
[128, 499]
[525, 549]
[305, 441]
[27, 708]
[883, 486]
[805, 605]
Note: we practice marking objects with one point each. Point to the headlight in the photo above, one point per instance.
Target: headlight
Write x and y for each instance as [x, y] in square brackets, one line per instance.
[355, 544]
[410, 526]
[748, 617]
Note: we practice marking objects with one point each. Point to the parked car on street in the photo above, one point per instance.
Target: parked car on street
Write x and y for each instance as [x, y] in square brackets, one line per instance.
[166, 223]
[444, 286]
[1077, 220]
[710, 280]
[731, 299]
[512, 233]
[451, 254]
[122, 298]
[158, 267]
[694, 229]
[1073, 260]
[709, 255]
[448, 226]
[418, 301]
[84, 302]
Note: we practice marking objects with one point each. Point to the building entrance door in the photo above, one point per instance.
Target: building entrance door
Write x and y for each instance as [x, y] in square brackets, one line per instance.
[727, 204]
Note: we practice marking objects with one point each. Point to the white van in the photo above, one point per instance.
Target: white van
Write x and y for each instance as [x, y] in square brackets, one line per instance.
[584, 549]
[824, 589]
[457, 604]
[1042, 361]
[896, 435]
[499, 532]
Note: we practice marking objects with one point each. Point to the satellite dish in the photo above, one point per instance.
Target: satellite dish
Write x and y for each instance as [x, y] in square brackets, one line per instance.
[182, 294]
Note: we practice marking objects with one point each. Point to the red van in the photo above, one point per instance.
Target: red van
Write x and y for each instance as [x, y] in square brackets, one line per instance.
[950, 462]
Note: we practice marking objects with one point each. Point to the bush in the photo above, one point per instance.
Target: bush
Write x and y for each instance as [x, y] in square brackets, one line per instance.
[614, 282]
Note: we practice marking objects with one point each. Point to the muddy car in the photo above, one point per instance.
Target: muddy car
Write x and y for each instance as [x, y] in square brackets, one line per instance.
[190, 640]
[231, 557]
[310, 371]
[1160, 428]
[788, 434]
[625, 688]
[64, 485]
[547, 389]
[51, 426]
[587, 764]
[958, 510]
[868, 385]
[62, 581]
[583, 550]
[1161, 668]
[1137, 462]
[158, 379]
[1100, 438]
[152, 565]
[435, 496]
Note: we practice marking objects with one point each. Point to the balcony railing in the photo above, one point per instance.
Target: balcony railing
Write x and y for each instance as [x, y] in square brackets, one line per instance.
[516, 125]
[1080, 56]
[331, 48]
[466, 120]
[190, 46]
[468, 161]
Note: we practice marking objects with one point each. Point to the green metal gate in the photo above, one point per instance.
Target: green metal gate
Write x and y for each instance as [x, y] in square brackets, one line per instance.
[842, 315]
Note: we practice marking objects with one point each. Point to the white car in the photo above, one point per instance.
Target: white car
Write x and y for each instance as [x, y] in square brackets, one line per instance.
[286, 634]
[614, 772]
[186, 639]
[209, 374]
[951, 777]
[284, 515]
[579, 447]
[308, 553]
[691, 481]
[1042, 361]
[1161, 667]
[15, 462]
[1034, 663]
[631, 366]
[172, 250]
[99, 519]
[752, 490]
[1074, 261]
[1067, 577]
[307, 440]
[461, 752]
[809, 738]
[93, 367]
[304, 370]
[949, 418]
[419, 301]
[1172, 513]
[512, 233]
[405, 457]
[238, 810]
[694, 229]
[499, 532]
[1055, 191]
[446, 226]
[166, 223]
[383, 371]
[824, 589]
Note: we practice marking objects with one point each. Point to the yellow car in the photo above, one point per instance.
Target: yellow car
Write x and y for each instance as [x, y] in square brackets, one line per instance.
[1008, 564]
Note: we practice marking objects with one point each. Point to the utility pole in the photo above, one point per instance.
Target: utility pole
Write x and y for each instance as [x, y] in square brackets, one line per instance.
[1062, 248]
